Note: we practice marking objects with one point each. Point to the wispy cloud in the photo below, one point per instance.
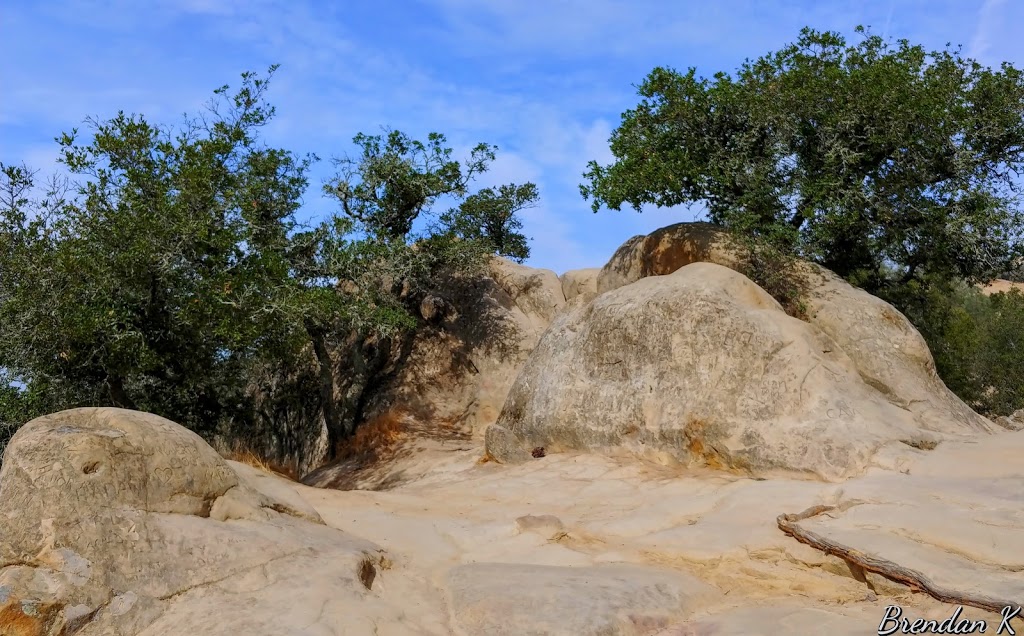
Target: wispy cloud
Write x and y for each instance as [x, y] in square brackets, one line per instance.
[545, 81]
[988, 20]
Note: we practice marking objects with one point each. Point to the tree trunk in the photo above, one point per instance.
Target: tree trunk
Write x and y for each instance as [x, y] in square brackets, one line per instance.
[118, 395]
[335, 428]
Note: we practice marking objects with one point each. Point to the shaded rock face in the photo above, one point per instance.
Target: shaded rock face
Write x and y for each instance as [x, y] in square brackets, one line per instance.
[703, 367]
[457, 369]
[111, 518]
[460, 371]
[888, 352]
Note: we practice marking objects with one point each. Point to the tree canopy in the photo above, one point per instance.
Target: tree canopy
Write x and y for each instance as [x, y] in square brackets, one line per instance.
[880, 160]
[172, 269]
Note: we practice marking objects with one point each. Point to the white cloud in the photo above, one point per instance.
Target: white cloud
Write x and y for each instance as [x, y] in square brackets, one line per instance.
[988, 21]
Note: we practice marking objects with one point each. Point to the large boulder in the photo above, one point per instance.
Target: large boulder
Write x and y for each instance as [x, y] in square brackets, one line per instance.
[666, 250]
[703, 367]
[578, 283]
[120, 522]
[888, 352]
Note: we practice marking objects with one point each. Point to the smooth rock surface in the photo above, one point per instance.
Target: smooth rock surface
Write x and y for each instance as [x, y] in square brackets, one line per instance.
[580, 282]
[703, 367]
[506, 599]
[120, 522]
[567, 544]
[887, 351]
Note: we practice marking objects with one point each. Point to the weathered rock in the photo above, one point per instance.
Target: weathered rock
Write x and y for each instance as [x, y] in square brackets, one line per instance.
[666, 250]
[775, 619]
[1013, 421]
[548, 526]
[703, 367]
[580, 282]
[536, 292]
[888, 352]
[457, 369]
[433, 308]
[120, 522]
[475, 548]
[917, 521]
[527, 600]
[462, 371]
[505, 446]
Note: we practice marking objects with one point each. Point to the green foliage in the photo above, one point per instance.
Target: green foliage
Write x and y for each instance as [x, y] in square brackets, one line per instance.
[163, 273]
[489, 216]
[775, 271]
[881, 161]
[18, 406]
[394, 183]
[977, 342]
[173, 272]
[396, 180]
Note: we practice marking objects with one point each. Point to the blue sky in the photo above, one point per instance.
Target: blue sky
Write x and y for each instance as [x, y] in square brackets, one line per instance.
[545, 80]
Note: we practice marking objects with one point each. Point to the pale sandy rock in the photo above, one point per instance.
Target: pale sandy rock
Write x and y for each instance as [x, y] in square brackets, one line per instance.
[888, 352]
[527, 600]
[536, 292]
[282, 495]
[506, 446]
[773, 620]
[548, 526]
[700, 367]
[709, 524]
[120, 522]
[580, 282]
[954, 517]
[574, 543]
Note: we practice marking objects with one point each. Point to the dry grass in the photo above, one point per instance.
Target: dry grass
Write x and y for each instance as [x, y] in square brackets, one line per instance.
[250, 458]
[13, 622]
[375, 437]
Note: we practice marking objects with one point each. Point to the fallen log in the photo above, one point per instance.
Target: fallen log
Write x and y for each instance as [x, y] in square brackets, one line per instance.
[913, 579]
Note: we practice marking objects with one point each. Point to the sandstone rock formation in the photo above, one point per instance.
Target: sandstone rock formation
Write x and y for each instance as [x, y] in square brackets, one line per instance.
[462, 371]
[493, 537]
[666, 250]
[1013, 421]
[458, 369]
[571, 544]
[578, 283]
[703, 367]
[605, 599]
[119, 522]
[888, 352]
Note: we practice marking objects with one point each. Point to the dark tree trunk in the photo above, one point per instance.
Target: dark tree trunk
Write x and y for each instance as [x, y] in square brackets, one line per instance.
[335, 429]
[118, 395]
